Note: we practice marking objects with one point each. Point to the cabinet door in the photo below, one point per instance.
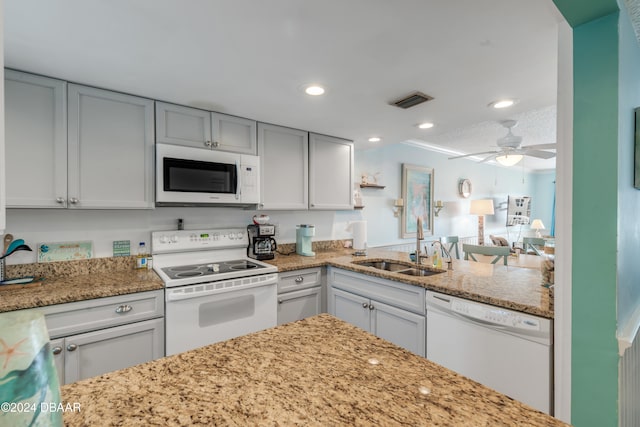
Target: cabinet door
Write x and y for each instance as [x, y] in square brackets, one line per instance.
[298, 305]
[57, 348]
[235, 134]
[405, 329]
[36, 141]
[330, 172]
[111, 146]
[179, 125]
[284, 167]
[351, 308]
[106, 350]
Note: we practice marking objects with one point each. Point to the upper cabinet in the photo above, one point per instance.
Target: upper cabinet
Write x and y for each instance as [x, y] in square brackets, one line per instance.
[330, 172]
[176, 124]
[36, 141]
[110, 149]
[284, 167]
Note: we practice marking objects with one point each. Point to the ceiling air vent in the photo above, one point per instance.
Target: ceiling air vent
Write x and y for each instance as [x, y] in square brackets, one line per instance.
[412, 99]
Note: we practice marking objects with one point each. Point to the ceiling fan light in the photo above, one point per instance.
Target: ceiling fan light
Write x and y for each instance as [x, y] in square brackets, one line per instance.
[509, 160]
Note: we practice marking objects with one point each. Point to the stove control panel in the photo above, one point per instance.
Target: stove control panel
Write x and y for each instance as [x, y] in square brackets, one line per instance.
[189, 240]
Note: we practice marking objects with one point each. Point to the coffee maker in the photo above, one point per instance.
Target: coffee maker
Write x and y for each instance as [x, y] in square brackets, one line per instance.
[262, 245]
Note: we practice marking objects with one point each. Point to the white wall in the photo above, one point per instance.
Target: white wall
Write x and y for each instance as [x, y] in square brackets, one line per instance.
[489, 181]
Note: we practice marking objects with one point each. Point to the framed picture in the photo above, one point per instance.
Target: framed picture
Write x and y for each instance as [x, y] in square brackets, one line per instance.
[417, 193]
[518, 210]
[636, 163]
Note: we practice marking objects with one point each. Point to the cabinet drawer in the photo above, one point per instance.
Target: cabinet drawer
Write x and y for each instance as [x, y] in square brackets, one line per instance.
[84, 316]
[298, 279]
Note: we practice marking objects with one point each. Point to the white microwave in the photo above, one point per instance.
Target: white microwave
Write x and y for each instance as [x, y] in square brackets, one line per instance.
[187, 176]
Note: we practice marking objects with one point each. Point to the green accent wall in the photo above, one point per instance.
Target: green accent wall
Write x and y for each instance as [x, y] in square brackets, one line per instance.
[594, 364]
[578, 12]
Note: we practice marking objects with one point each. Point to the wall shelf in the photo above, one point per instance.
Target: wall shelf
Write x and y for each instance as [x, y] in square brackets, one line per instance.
[372, 186]
[358, 207]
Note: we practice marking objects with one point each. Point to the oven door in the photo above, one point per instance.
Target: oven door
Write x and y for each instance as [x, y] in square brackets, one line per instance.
[195, 316]
[190, 176]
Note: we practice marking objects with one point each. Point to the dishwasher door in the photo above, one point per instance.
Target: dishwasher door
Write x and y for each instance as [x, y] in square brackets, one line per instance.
[508, 351]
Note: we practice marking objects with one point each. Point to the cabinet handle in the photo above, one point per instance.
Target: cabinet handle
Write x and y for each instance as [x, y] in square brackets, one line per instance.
[73, 201]
[280, 301]
[207, 143]
[216, 143]
[371, 307]
[60, 200]
[365, 305]
[72, 347]
[56, 350]
[299, 279]
[124, 308]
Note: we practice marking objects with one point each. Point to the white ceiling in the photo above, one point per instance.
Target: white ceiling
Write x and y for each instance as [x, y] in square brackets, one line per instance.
[251, 58]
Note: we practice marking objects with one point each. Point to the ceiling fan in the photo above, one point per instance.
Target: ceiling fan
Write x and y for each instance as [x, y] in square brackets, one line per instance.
[509, 150]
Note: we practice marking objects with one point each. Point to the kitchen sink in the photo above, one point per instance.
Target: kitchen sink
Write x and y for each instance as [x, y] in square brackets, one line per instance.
[385, 265]
[399, 267]
[421, 272]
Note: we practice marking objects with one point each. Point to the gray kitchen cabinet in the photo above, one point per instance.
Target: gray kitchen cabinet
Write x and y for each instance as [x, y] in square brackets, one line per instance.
[391, 310]
[193, 127]
[92, 337]
[110, 149]
[35, 141]
[330, 172]
[299, 294]
[284, 167]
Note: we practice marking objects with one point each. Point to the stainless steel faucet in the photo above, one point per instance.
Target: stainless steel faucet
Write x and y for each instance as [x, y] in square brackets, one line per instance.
[419, 236]
[446, 252]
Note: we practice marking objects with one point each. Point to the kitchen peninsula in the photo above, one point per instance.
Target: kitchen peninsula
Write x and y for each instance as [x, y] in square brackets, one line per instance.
[318, 371]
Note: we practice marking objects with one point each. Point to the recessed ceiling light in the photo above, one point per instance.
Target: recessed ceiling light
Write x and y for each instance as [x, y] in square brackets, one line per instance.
[425, 125]
[502, 103]
[374, 139]
[314, 90]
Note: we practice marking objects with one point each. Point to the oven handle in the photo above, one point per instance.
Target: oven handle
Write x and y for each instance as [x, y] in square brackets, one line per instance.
[177, 295]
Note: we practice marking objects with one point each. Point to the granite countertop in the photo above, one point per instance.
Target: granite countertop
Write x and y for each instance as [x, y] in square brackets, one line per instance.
[314, 372]
[71, 281]
[509, 287]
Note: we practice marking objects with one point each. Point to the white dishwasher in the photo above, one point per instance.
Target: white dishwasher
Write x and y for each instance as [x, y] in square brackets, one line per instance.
[508, 351]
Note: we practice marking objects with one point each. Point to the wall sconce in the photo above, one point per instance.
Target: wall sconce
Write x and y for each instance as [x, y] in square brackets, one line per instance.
[438, 205]
[398, 206]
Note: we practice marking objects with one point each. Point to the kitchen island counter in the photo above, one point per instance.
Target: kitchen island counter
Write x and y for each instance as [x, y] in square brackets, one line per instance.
[509, 287]
[316, 372]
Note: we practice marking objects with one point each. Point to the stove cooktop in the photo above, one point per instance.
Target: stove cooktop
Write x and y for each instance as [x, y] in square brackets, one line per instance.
[210, 269]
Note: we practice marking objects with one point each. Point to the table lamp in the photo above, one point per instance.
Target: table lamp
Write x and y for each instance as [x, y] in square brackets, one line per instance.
[481, 208]
[537, 225]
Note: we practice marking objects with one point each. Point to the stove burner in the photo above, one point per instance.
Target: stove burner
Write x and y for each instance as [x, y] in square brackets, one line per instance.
[182, 268]
[189, 274]
[242, 266]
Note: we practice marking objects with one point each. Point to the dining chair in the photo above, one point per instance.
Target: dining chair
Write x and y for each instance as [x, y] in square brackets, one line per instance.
[497, 251]
[534, 244]
[452, 243]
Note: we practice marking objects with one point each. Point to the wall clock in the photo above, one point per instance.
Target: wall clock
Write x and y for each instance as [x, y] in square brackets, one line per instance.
[464, 188]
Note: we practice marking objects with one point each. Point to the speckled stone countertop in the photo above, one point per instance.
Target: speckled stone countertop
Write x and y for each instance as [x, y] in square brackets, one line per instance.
[503, 286]
[315, 372]
[71, 281]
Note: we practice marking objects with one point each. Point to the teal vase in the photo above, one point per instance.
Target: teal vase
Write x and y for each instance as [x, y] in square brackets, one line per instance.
[29, 387]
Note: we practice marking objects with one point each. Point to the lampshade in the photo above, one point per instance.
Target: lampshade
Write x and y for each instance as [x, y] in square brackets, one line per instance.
[537, 224]
[509, 160]
[481, 207]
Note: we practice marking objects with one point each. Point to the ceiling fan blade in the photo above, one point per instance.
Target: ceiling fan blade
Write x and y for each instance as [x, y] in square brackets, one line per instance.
[541, 147]
[472, 154]
[539, 154]
[491, 157]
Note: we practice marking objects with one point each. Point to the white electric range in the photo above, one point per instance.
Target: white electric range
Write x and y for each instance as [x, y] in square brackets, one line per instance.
[214, 292]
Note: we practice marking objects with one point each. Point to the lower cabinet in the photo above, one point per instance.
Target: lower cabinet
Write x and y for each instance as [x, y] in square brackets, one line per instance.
[93, 337]
[390, 310]
[299, 294]
[95, 353]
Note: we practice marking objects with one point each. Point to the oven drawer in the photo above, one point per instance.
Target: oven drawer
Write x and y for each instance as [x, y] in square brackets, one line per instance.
[299, 279]
[83, 316]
